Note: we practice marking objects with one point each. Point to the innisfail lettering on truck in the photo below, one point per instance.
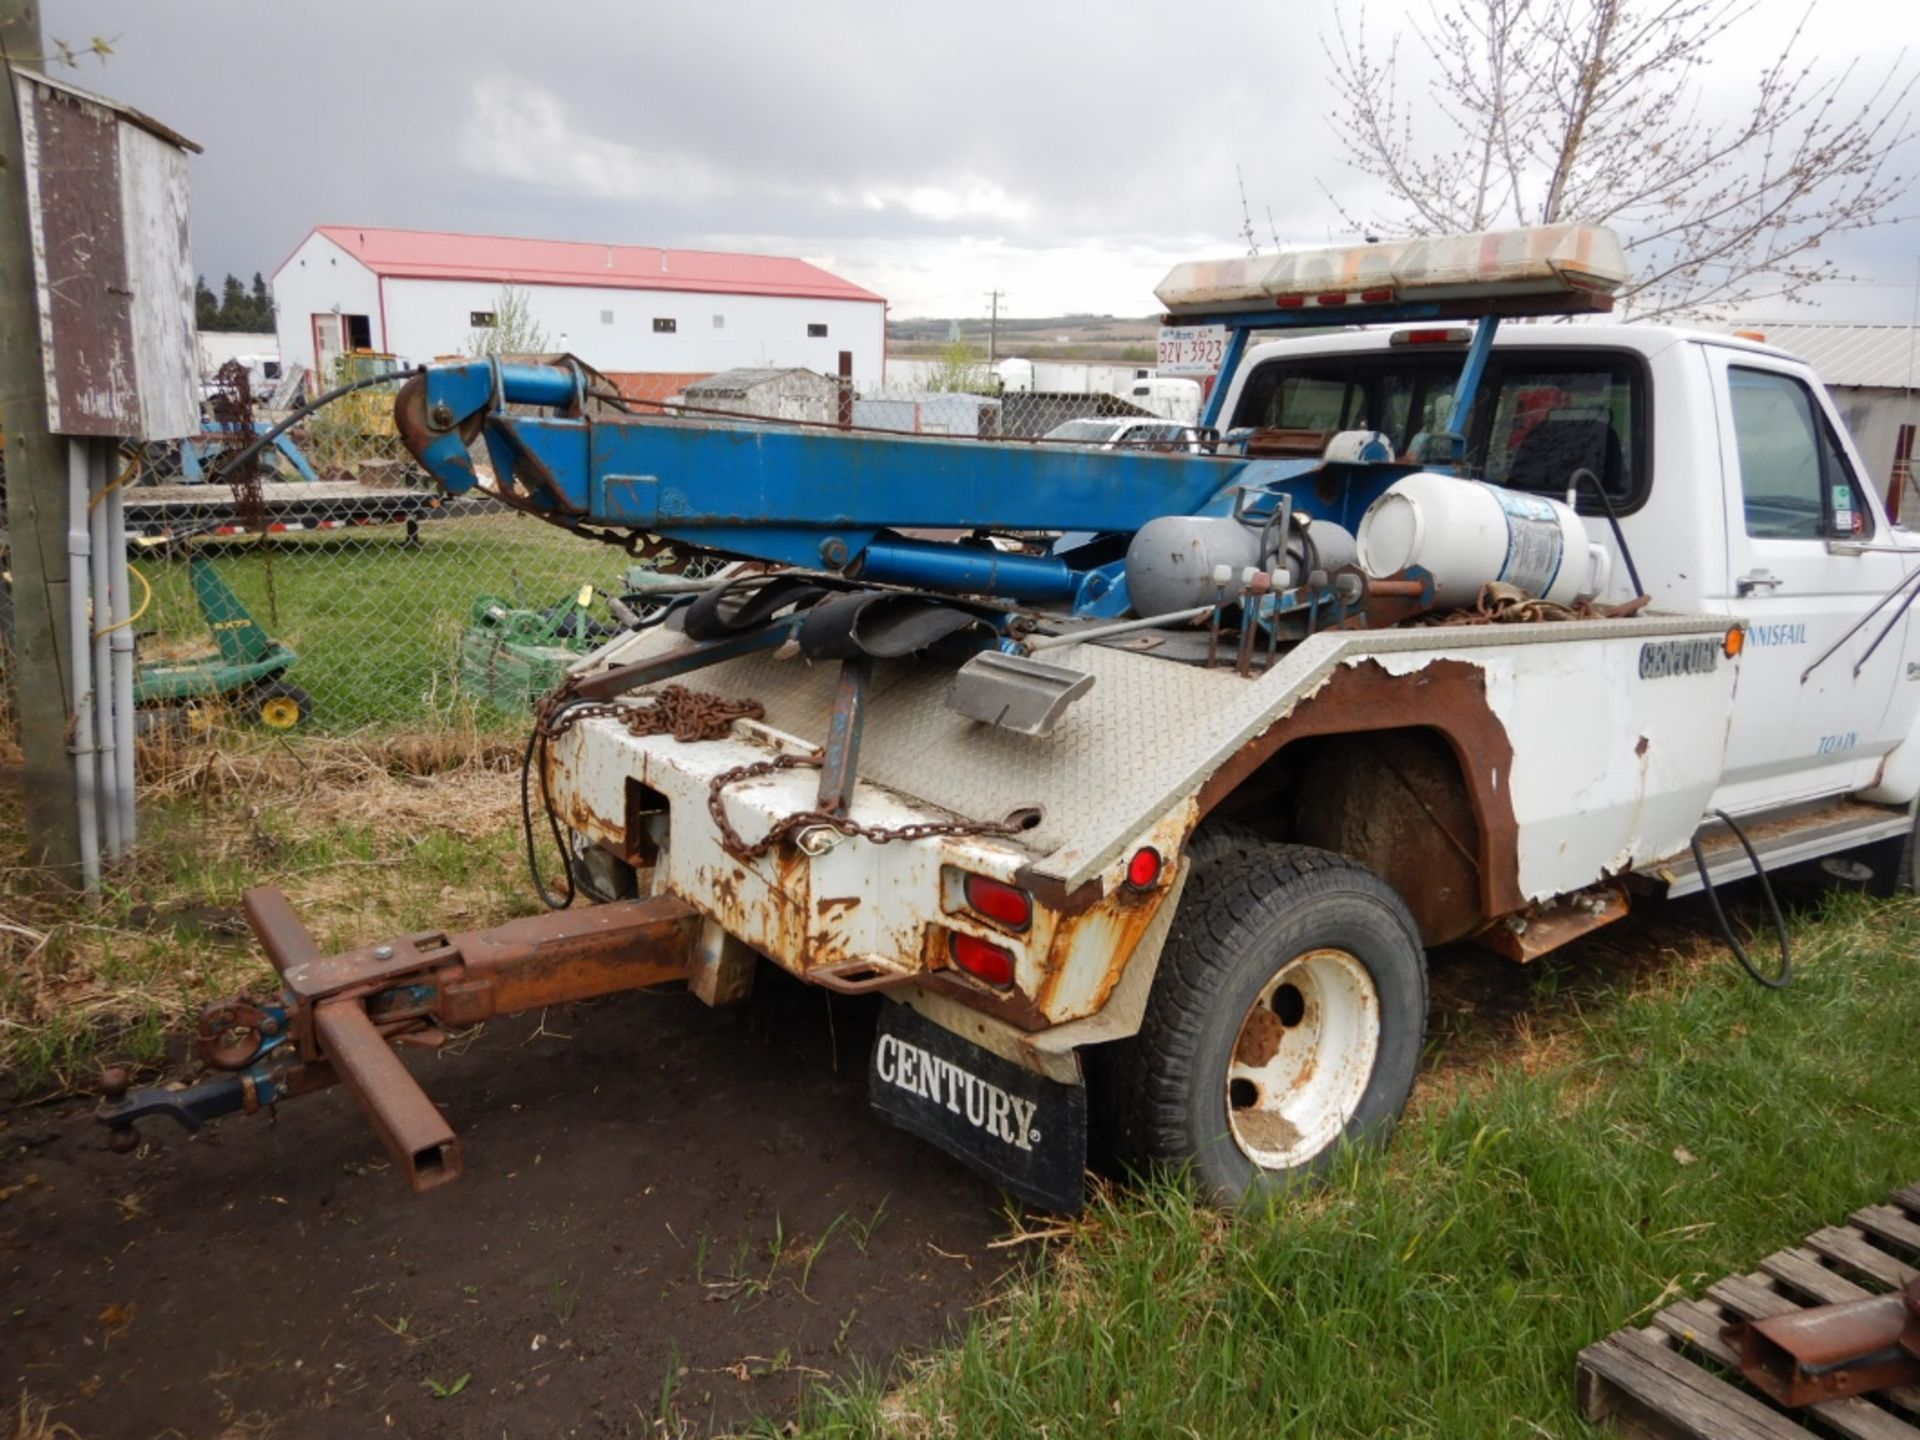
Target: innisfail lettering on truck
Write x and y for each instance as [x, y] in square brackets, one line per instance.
[1138, 784]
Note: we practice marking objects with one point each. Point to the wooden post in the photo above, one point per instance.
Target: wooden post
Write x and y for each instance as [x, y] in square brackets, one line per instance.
[36, 492]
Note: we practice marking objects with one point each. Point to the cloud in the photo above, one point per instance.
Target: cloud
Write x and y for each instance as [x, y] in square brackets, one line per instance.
[1065, 154]
[525, 135]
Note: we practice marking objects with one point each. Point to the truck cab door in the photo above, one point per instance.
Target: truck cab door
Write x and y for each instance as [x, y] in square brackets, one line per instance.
[1796, 514]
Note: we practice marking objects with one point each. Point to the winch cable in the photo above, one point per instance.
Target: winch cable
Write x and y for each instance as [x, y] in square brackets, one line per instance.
[300, 412]
[1613, 519]
[1772, 982]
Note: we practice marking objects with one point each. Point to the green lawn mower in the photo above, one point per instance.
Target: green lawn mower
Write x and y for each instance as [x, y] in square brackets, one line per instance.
[246, 673]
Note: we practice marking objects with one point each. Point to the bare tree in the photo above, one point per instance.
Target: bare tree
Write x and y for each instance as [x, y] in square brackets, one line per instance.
[1600, 111]
[510, 328]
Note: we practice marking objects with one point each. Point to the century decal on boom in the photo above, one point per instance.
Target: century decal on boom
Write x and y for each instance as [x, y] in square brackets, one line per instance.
[987, 1107]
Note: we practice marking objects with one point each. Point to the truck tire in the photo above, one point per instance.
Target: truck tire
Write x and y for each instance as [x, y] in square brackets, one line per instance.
[1895, 863]
[1286, 1017]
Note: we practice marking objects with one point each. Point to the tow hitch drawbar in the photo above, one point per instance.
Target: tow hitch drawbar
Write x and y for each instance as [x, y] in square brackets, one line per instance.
[338, 1017]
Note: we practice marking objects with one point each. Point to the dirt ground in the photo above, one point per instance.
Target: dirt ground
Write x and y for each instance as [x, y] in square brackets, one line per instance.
[673, 1219]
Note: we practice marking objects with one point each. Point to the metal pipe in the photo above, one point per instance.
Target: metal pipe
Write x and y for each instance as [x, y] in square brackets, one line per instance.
[119, 605]
[1119, 627]
[105, 768]
[80, 663]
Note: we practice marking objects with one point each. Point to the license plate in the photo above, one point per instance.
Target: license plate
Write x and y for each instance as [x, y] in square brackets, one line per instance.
[1192, 349]
[1022, 1130]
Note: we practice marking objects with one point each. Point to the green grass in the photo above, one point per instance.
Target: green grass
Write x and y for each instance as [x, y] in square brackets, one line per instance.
[377, 623]
[1445, 1286]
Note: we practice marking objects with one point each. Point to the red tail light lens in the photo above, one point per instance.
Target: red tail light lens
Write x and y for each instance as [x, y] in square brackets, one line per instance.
[1143, 870]
[997, 900]
[983, 959]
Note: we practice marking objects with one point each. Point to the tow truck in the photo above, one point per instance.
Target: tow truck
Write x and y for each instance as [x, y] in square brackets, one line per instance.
[1140, 784]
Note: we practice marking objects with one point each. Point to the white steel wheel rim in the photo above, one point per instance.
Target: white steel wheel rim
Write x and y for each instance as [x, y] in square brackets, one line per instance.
[1302, 1059]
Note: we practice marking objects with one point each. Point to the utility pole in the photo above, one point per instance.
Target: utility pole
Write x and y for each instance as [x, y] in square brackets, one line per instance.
[36, 480]
[993, 328]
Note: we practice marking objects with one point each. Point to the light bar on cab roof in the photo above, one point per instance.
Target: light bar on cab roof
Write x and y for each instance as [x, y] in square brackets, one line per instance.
[1539, 260]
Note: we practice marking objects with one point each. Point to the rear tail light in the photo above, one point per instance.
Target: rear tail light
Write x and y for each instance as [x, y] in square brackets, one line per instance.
[1436, 335]
[982, 958]
[1143, 870]
[997, 900]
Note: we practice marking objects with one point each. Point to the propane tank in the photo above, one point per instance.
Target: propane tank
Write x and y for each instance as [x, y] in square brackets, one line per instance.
[1171, 561]
[1467, 532]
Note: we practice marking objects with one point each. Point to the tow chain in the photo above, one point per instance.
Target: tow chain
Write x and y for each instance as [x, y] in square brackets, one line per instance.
[1502, 604]
[687, 715]
[788, 825]
[694, 715]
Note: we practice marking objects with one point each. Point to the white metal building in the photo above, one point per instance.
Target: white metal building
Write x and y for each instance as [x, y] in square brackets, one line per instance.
[622, 308]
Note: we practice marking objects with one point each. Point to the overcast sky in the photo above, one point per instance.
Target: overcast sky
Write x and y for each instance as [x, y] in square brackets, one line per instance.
[1064, 154]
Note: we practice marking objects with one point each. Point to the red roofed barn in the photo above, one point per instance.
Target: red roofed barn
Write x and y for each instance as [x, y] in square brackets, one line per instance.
[622, 308]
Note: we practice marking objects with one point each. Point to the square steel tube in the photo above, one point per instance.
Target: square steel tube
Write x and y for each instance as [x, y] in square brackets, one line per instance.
[412, 1128]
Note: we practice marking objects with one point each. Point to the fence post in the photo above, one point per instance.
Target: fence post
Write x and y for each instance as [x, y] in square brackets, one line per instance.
[36, 492]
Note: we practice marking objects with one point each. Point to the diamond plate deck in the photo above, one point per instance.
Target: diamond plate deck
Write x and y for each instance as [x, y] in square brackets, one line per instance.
[1144, 738]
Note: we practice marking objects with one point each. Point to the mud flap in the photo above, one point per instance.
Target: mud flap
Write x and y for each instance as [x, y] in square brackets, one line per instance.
[1026, 1132]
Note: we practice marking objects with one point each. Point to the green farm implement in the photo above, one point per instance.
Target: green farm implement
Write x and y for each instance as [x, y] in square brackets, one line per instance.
[246, 672]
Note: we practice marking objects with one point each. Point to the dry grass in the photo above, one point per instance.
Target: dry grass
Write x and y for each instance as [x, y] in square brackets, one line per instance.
[369, 834]
[32, 1420]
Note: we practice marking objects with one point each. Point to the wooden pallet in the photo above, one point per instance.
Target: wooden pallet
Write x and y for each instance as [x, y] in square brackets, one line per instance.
[1677, 1377]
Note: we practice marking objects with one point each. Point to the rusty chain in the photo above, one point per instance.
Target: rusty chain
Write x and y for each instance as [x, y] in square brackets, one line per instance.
[1502, 604]
[787, 826]
[694, 715]
[687, 715]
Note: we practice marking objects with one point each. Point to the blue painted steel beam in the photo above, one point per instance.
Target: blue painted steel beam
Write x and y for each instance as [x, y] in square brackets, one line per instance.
[1468, 386]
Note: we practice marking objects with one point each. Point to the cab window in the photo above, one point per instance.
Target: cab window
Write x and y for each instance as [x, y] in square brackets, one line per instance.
[1540, 416]
[1795, 483]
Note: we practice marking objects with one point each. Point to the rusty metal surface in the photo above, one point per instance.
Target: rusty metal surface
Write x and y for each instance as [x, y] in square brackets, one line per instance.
[1831, 1351]
[415, 1133]
[840, 755]
[339, 1015]
[1447, 698]
[1527, 937]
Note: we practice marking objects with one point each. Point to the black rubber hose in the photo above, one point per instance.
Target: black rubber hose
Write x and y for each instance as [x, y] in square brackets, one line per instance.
[1772, 982]
[536, 742]
[1613, 519]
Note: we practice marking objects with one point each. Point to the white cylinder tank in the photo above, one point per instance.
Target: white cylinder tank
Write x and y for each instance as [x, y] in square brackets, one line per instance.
[1467, 532]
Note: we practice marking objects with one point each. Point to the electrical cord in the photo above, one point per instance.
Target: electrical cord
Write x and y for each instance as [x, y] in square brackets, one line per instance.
[1613, 519]
[1771, 982]
[537, 741]
[146, 600]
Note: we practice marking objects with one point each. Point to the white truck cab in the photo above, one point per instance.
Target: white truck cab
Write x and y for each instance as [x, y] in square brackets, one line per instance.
[1738, 490]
